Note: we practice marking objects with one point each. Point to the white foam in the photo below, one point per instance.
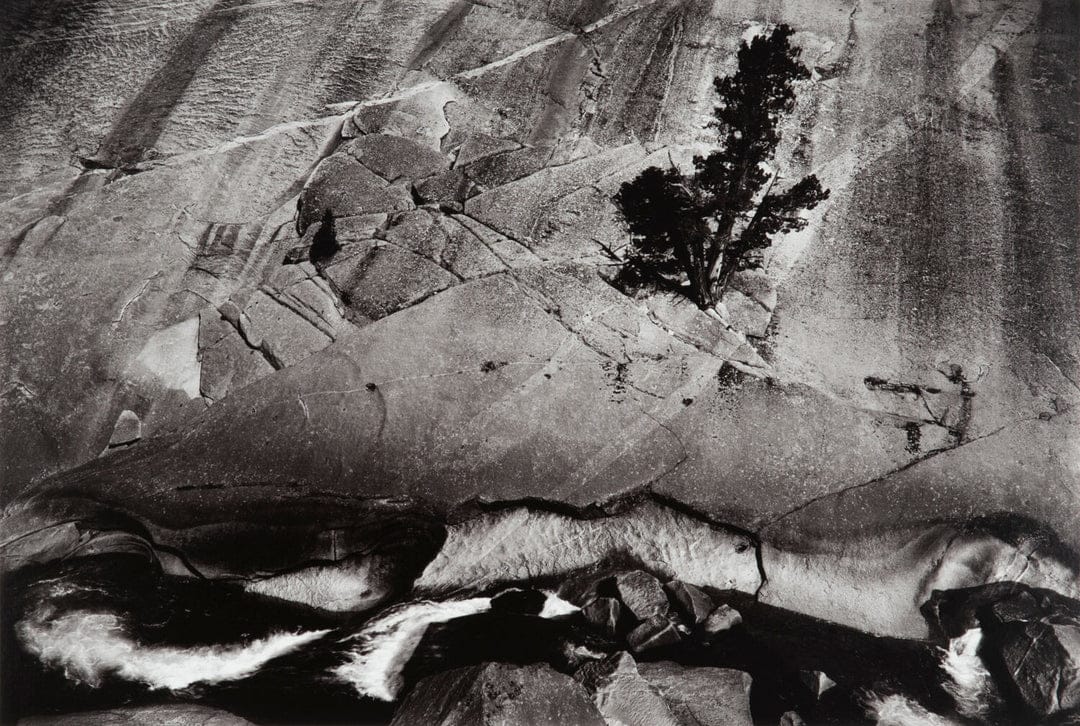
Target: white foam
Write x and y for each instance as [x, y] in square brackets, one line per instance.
[555, 606]
[897, 710]
[522, 544]
[969, 682]
[388, 640]
[89, 646]
[352, 587]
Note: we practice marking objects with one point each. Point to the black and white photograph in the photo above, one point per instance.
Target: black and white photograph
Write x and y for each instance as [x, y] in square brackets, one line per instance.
[540, 362]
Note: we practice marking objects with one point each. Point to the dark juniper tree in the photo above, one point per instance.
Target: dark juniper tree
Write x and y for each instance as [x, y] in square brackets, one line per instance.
[703, 224]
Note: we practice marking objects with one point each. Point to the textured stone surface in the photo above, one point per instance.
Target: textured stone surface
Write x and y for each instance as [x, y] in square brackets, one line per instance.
[817, 681]
[622, 696]
[1043, 661]
[604, 612]
[642, 594]
[921, 359]
[724, 617]
[694, 603]
[164, 715]
[128, 429]
[653, 633]
[498, 693]
[705, 696]
[1029, 636]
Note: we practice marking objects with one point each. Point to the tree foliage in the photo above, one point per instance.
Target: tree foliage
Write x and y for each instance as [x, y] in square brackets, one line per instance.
[703, 224]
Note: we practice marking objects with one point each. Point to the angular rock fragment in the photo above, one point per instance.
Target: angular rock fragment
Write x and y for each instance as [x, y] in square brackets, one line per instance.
[817, 681]
[1030, 639]
[448, 189]
[952, 612]
[480, 145]
[383, 278]
[395, 157]
[693, 602]
[722, 618]
[498, 693]
[656, 632]
[228, 363]
[792, 718]
[622, 696]
[287, 337]
[604, 613]
[128, 429]
[701, 696]
[1043, 661]
[642, 594]
[345, 187]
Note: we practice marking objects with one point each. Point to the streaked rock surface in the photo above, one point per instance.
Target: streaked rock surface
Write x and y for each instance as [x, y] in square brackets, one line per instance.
[906, 365]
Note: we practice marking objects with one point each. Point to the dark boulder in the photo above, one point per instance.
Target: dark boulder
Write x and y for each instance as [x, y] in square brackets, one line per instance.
[498, 693]
[642, 594]
[656, 632]
[1030, 641]
[724, 617]
[952, 612]
[622, 696]
[604, 613]
[1042, 660]
[701, 696]
[693, 602]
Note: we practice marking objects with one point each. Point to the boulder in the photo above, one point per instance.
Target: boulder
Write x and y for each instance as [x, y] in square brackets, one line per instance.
[448, 189]
[622, 696]
[953, 612]
[642, 594]
[380, 279]
[498, 693]
[604, 613]
[656, 632]
[1042, 660]
[817, 682]
[701, 696]
[1030, 639]
[722, 618]
[395, 157]
[693, 602]
[345, 187]
[128, 429]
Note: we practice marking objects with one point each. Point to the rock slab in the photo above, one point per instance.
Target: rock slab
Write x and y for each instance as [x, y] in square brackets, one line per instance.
[642, 594]
[701, 696]
[498, 693]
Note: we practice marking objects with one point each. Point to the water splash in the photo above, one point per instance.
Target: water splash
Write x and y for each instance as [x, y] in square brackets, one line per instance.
[897, 710]
[385, 644]
[970, 683]
[91, 646]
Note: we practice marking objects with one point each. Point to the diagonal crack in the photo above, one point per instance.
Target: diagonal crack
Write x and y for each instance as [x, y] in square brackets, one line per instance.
[478, 71]
[882, 477]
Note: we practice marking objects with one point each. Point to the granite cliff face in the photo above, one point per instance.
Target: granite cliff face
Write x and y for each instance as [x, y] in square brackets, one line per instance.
[880, 389]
